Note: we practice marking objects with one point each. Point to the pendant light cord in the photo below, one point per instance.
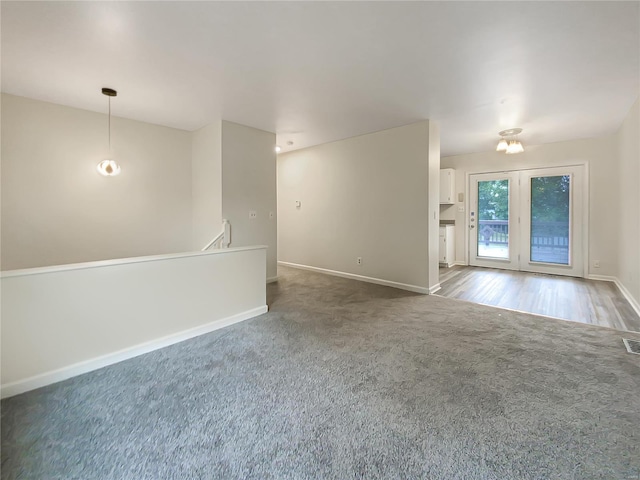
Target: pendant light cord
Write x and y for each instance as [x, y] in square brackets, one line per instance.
[109, 126]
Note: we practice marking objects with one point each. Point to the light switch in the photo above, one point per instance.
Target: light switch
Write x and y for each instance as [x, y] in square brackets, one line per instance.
[298, 204]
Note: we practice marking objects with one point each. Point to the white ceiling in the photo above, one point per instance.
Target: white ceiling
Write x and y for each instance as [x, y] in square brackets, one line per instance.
[314, 72]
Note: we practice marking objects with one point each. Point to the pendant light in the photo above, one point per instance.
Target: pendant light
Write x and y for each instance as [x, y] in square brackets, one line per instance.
[109, 167]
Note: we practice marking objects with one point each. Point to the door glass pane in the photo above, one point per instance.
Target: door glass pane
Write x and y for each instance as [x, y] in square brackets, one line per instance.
[550, 198]
[493, 219]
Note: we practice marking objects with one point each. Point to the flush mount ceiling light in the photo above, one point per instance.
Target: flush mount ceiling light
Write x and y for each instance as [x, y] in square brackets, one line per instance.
[512, 145]
[109, 167]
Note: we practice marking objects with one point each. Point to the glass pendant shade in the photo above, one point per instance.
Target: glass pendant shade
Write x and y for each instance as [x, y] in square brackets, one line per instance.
[514, 147]
[108, 168]
[502, 145]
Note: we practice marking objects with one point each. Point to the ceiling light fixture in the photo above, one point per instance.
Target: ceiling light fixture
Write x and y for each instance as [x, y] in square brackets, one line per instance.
[109, 167]
[512, 145]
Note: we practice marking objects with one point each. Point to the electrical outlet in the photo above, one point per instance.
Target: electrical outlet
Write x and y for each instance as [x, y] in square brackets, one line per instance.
[253, 214]
[596, 264]
[359, 260]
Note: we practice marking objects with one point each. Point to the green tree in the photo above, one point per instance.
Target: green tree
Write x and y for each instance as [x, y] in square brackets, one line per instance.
[550, 202]
[550, 199]
[493, 200]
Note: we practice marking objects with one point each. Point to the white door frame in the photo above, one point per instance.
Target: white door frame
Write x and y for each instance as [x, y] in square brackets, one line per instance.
[573, 269]
[512, 262]
[585, 204]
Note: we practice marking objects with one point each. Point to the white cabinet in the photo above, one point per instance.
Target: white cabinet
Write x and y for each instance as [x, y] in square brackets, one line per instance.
[447, 186]
[447, 245]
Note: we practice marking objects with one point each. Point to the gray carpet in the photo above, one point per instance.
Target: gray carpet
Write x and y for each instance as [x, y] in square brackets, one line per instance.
[346, 380]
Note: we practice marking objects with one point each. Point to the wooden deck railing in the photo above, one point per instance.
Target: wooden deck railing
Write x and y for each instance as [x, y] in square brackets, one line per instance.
[494, 232]
[543, 234]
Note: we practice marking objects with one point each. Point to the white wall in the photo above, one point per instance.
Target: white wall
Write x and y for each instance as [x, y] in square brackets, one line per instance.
[434, 206]
[56, 209]
[206, 182]
[601, 156]
[249, 184]
[628, 238]
[120, 309]
[366, 197]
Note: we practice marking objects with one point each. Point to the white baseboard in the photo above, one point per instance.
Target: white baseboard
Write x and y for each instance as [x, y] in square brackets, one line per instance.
[64, 373]
[626, 293]
[361, 278]
[434, 289]
[461, 263]
[272, 279]
[603, 278]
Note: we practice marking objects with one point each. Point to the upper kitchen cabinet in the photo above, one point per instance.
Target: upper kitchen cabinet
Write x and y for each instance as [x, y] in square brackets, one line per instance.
[447, 186]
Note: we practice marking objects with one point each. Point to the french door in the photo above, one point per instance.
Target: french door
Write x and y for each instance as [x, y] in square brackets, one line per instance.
[528, 220]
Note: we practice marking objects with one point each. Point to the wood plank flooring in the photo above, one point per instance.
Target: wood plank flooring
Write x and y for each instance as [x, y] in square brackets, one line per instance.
[577, 299]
